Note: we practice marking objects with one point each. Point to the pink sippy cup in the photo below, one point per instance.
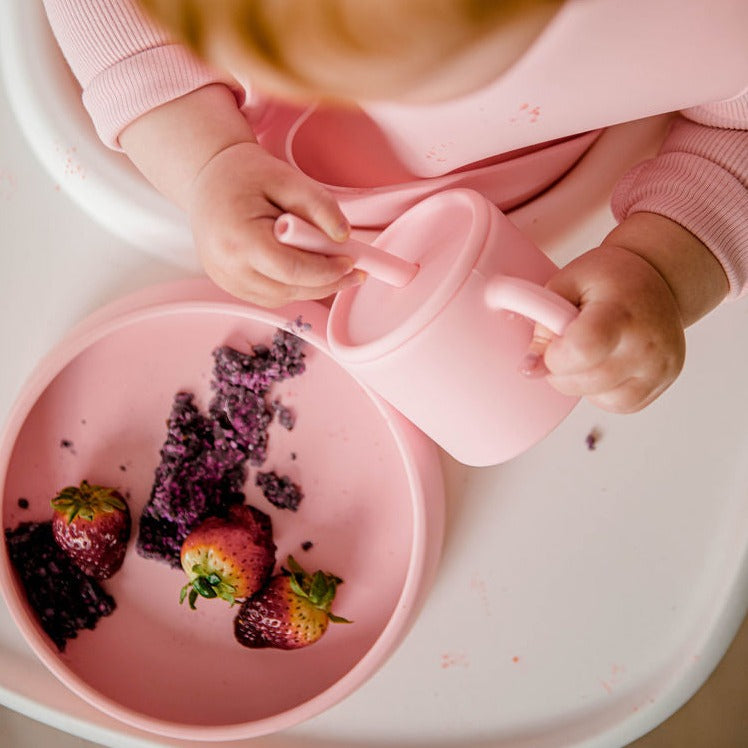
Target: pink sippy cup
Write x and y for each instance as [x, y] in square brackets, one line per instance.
[442, 334]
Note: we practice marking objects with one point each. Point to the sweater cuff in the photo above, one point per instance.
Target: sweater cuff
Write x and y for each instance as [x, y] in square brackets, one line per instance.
[699, 181]
[128, 89]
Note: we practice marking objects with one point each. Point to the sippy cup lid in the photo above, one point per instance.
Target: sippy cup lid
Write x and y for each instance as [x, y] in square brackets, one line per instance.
[444, 234]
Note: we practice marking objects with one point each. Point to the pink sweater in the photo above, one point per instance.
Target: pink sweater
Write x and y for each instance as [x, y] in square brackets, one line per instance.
[127, 66]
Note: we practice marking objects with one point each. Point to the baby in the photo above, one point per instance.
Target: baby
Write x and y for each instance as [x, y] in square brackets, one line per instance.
[680, 248]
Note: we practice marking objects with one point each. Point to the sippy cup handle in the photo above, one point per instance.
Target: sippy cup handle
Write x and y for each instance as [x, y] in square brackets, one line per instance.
[391, 269]
[530, 300]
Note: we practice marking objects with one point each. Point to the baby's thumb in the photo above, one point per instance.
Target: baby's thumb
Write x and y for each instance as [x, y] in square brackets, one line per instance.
[533, 365]
[326, 213]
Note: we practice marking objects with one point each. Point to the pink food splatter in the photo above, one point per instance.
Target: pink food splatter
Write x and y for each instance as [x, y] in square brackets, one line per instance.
[478, 585]
[71, 164]
[616, 673]
[7, 184]
[453, 659]
[526, 112]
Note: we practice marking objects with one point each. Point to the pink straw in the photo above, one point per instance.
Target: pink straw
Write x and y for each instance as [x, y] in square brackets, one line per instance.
[388, 268]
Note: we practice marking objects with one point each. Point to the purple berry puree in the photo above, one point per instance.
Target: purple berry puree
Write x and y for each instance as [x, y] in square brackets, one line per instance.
[203, 460]
[280, 491]
[286, 417]
[64, 599]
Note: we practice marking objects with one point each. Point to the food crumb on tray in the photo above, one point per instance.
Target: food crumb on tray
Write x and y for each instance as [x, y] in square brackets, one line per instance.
[592, 438]
[67, 444]
[279, 490]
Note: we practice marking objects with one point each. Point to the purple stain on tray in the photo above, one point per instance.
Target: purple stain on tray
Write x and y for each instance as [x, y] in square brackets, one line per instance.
[64, 599]
[592, 438]
[280, 491]
[203, 460]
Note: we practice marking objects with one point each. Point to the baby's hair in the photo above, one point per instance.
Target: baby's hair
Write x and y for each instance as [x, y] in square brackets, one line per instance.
[305, 40]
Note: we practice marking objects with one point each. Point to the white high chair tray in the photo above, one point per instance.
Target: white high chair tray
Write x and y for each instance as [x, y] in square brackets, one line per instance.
[583, 595]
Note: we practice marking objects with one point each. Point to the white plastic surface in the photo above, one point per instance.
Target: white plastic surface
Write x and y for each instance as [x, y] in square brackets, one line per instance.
[44, 95]
[583, 595]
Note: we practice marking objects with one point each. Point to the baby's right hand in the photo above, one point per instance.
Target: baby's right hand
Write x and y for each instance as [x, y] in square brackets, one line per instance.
[234, 201]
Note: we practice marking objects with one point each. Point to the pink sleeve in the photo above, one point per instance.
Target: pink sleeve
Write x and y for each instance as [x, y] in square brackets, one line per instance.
[126, 65]
[700, 180]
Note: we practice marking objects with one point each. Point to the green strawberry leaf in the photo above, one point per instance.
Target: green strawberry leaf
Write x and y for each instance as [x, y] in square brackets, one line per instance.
[203, 587]
[294, 566]
[296, 587]
[86, 501]
[337, 619]
[326, 601]
[193, 598]
[318, 590]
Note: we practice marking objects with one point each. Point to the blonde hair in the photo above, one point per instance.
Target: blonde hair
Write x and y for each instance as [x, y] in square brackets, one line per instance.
[325, 46]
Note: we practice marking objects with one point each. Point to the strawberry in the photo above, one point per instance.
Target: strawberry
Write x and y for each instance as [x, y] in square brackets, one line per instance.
[228, 557]
[91, 524]
[293, 611]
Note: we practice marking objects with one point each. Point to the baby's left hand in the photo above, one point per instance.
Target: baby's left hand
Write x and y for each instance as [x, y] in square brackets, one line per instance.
[626, 346]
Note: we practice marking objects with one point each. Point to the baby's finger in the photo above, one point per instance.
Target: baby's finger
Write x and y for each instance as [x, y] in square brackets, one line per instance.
[288, 265]
[631, 396]
[591, 382]
[311, 201]
[269, 293]
[266, 292]
[533, 365]
[587, 342]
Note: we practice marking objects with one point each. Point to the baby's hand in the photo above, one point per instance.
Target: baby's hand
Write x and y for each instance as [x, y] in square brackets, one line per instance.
[233, 204]
[626, 346]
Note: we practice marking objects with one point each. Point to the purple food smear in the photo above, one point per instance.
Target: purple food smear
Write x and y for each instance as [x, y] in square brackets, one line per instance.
[203, 460]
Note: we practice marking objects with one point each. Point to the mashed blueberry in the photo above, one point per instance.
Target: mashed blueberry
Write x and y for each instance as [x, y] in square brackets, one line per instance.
[279, 490]
[64, 599]
[203, 460]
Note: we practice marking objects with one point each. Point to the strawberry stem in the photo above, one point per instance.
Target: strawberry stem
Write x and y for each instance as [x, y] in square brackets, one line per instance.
[208, 585]
[204, 587]
[319, 588]
[86, 501]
